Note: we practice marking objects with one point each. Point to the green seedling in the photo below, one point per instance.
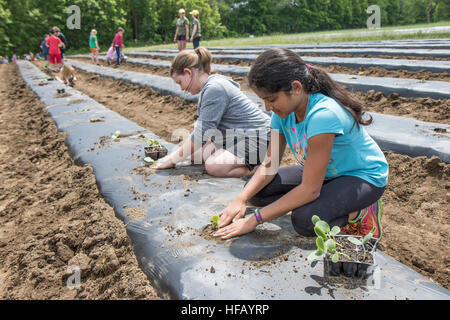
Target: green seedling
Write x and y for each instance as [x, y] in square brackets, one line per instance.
[364, 241]
[325, 241]
[423, 80]
[95, 120]
[215, 221]
[151, 142]
[116, 135]
[84, 110]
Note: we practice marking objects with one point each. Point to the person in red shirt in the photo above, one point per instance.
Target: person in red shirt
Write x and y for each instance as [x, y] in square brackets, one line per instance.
[54, 44]
[118, 44]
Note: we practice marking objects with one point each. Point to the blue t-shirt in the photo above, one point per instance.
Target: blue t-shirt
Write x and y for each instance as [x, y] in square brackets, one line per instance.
[354, 152]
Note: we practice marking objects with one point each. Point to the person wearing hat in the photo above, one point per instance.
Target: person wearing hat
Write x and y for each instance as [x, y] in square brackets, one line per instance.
[182, 31]
[196, 29]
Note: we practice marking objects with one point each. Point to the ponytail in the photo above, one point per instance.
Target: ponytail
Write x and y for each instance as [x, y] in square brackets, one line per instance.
[199, 58]
[275, 70]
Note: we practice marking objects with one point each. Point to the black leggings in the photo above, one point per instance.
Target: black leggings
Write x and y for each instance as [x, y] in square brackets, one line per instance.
[338, 198]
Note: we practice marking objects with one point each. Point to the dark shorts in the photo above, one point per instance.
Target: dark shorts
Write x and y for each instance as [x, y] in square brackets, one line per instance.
[253, 158]
[181, 38]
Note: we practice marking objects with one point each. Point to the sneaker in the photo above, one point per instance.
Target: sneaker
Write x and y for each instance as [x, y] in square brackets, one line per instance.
[368, 219]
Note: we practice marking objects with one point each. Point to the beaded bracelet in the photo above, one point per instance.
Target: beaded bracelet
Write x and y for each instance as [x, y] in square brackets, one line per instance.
[258, 216]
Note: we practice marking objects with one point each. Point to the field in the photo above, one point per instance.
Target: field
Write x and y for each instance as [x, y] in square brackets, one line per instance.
[58, 216]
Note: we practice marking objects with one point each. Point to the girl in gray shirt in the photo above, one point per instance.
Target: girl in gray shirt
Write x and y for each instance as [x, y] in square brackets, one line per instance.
[231, 134]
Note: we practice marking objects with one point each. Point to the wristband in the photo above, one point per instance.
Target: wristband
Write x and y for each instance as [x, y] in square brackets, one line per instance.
[258, 216]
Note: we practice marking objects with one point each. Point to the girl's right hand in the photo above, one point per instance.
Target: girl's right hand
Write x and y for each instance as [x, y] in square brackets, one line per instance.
[168, 164]
[234, 211]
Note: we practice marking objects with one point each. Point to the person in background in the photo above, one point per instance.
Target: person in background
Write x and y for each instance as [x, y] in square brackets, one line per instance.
[54, 43]
[118, 44]
[196, 29]
[60, 35]
[182, 30]
[14, 58]
[93, 45]
[67, 75]
[44, 47]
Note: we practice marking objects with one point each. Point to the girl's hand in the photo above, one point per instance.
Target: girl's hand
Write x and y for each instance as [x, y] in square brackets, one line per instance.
[234, 211]
[168, 164]
[237, 228]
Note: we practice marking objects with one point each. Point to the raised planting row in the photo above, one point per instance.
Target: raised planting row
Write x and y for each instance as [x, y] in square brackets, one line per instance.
[394, 44]
[167, 231]
[354, 63]
[442, 53]
[401, 135]
[404, 87]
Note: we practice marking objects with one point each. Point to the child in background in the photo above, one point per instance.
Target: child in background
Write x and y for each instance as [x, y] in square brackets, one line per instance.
[93, 45]
[44, 47]
[110, 55]
[67, 75]
[14, 58]
[54, 43]
[118, 45]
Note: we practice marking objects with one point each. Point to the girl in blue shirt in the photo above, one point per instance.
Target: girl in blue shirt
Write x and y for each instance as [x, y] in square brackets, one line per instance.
[341, 172]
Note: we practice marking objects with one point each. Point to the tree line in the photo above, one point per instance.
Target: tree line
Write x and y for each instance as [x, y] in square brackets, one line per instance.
[24, 22]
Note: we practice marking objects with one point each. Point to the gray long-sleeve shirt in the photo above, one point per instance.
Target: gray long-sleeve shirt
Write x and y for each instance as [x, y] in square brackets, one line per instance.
[227, 116]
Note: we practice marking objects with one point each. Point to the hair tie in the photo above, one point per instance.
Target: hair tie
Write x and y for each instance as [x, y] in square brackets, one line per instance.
[308, 66]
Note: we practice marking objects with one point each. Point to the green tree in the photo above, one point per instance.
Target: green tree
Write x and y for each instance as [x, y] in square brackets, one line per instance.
[5, 22]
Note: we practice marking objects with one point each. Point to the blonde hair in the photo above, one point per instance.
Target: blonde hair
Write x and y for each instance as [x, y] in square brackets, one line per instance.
[67, 70]
[199, 58]
[93, 32]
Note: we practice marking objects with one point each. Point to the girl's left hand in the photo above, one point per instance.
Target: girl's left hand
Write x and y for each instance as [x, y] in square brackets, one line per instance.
[237, 228]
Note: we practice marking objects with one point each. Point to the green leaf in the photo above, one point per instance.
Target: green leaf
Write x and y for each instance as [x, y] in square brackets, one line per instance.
[320, 244]
[367, 238]
[331, 245]
[335, 257]
[315, 219]
[315, 255]
[323, 226]
[354, 241]
[335, 231]
[320, 233]
[215, 220]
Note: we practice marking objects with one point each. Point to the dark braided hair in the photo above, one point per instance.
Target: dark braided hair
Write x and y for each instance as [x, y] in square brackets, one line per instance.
[275, 69]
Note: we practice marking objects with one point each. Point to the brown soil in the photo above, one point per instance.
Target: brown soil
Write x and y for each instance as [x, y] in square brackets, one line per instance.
[52, 215]
[416, 202]
[424, 109]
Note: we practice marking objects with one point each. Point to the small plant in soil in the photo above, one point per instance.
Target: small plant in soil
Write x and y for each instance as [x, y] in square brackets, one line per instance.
[342, 254]
[363, 242]
[154, 149]
[326, 242]
[215, 221]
